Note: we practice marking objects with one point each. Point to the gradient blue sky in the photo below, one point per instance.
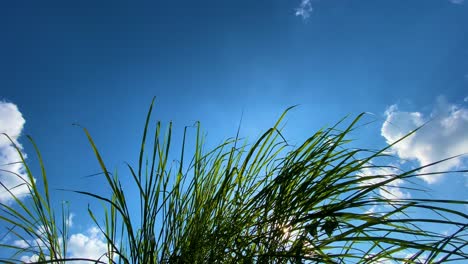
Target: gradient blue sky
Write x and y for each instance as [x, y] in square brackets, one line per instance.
[99, 63]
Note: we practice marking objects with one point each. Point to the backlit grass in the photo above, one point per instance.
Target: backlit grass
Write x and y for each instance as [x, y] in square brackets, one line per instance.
[264, 202]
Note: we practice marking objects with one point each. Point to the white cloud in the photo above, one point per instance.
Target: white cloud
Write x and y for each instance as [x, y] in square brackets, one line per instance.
[90, 245]
[69, 221]
[445, 135]
[389, 191]
[378, 260]
[33, 244]
[407, 256]
[12, 173]
[416, 259]
[20, 243]
[30, 259]
[304, 9]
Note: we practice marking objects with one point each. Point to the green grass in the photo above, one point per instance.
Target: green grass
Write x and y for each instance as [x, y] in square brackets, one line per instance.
[266, 202]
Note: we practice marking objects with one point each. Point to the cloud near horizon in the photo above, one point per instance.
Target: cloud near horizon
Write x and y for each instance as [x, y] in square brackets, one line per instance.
[88, 245]
[12, 173]
[443, 135]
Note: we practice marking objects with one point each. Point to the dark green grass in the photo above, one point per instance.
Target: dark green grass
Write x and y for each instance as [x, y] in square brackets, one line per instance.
[267, 202]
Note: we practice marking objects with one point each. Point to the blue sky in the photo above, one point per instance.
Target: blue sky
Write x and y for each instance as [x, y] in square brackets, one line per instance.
[99, 63]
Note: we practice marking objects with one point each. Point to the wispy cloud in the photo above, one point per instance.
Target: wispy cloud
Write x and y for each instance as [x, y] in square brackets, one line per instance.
[69, 221]
[37, 243]
[30, 259]
[304, 9]
[21, 243]
[12, 174]
[415, 258]
[389, 191]
[443, 136]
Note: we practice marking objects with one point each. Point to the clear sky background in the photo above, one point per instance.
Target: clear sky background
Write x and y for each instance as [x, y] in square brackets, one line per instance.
[99, 63]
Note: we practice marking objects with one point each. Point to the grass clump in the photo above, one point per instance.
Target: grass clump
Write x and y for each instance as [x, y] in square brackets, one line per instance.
[268, 202]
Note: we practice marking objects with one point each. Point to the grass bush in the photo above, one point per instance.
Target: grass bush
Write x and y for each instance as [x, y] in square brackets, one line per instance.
[267, 202]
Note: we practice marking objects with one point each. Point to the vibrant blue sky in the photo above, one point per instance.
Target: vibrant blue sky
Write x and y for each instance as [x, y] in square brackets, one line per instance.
[99, 63]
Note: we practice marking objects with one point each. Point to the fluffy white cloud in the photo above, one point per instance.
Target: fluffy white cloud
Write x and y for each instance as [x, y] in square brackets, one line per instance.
[12, 173]
[444, 135]
[304, 9]
[90, 245]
